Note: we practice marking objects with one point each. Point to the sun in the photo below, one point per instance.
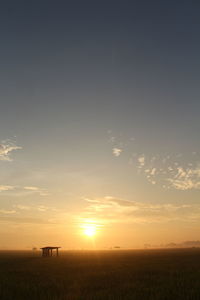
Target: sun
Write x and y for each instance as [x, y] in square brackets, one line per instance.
[89, 230]
[90, 227]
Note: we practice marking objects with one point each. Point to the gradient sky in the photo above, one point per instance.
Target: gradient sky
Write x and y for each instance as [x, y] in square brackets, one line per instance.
[99, 123]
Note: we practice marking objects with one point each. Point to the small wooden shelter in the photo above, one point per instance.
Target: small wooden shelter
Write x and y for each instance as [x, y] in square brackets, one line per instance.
[48, 251]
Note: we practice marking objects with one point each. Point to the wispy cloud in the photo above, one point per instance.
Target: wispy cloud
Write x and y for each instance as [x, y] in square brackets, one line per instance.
[186, 179]
[113, 210]
[40, 208]
[116, 151]
[177, 171]
[31, 188]
[35, 189]
[7, 212]
[24, 220]
[141, 161]
[174, 175]
[6, 148]
[21, 191]
[22, 207]
[19, 213]
[117, 144]
[6, 188]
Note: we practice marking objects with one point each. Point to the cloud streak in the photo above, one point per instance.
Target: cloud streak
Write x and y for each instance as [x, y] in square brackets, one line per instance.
[35, 189]
[7, 212]
[6, 148]
[4, 188]
[113, 210]
[21, 191]
[24, 220]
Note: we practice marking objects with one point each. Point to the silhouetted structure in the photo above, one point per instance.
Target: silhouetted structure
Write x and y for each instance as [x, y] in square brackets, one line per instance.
[48, 251]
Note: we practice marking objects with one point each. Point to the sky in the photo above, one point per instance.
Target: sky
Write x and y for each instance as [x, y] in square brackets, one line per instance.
[99, 123]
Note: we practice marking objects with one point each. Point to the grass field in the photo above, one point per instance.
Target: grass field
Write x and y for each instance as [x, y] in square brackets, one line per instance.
[95, 275]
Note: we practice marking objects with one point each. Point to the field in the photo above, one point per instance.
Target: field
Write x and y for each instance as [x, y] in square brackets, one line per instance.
[95, 275]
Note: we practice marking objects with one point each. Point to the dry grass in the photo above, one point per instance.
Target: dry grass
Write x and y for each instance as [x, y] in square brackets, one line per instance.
[95, 275]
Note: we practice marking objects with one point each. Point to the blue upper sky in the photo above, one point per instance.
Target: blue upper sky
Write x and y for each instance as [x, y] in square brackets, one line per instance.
[99, 95]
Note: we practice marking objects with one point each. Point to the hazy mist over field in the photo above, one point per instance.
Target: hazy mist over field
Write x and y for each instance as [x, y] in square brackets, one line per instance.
[99, 123]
